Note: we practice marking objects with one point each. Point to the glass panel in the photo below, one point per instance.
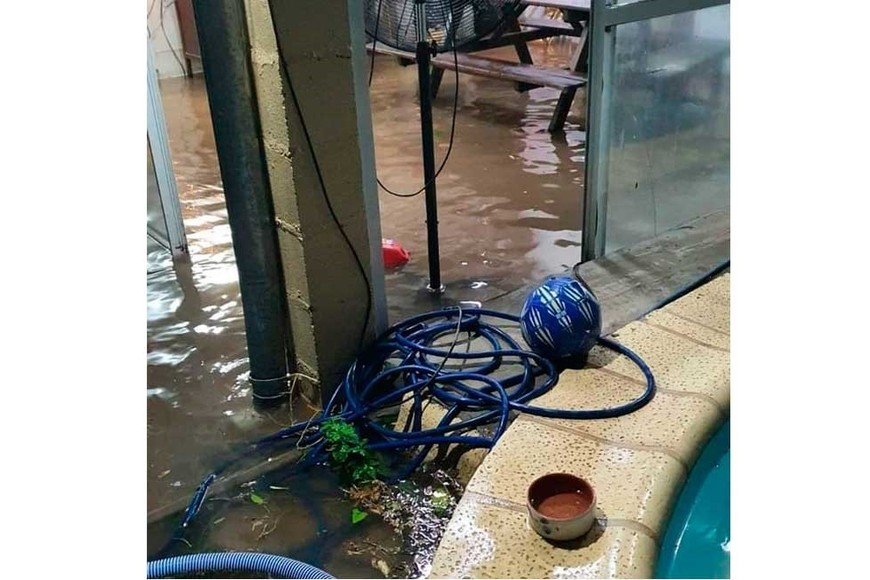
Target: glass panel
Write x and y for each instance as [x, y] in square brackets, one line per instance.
[156, 222]
[669, 139]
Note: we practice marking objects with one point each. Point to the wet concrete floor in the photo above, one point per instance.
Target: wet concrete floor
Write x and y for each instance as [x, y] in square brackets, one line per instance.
[510, 202]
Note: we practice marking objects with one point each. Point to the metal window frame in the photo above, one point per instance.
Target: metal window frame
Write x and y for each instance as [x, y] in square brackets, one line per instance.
[616, 14]
[158, 141]
[604, 19]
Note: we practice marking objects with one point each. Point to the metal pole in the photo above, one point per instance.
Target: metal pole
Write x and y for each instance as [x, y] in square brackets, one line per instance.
[617, 14]
[424, 56]
[602, 48]
[223, 38]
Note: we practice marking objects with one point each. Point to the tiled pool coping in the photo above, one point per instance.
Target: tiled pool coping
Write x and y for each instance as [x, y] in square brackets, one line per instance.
[637, 462]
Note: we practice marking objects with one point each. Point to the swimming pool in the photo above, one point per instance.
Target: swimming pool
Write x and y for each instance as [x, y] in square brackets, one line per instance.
[697, 539]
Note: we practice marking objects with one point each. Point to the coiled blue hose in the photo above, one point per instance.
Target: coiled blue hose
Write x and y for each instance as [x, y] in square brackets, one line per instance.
[275, 566]
[404, 366]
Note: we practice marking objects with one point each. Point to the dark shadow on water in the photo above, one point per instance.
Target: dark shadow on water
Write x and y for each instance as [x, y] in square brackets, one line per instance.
[191, 303]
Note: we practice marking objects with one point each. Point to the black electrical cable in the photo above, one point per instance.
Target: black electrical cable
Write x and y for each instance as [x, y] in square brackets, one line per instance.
[166, 35]
[375, 41]
[455, 101]
[359, 264]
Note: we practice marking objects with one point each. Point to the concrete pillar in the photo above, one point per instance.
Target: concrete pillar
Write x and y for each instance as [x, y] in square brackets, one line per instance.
[323, 45]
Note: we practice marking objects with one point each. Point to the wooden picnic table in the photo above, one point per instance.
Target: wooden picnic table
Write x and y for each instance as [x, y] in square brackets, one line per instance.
[517, 31]
[576, 14]
[564, 5]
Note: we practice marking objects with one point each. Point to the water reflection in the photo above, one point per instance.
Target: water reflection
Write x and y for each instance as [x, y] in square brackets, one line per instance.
[197, 361]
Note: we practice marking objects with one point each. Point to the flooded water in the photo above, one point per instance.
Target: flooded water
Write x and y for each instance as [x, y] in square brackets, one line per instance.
[387, 531]
[198, 395]
[510, 197]
[510, 203]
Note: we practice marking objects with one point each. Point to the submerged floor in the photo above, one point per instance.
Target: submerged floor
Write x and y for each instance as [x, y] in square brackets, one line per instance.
[510, 207]
[510, 198]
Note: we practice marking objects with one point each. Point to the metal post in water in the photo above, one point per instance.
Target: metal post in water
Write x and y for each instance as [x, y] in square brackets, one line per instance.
[424, 58]
[223, 36]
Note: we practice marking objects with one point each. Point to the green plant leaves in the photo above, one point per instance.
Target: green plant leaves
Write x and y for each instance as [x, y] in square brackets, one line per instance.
[348, 453]
[257, 499]
[357, 515]
[440, 501]
[337, 430]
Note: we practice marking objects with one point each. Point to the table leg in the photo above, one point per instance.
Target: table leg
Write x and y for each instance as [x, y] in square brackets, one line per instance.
[437, 75]
[523, 54]
[578, 63]
[560, 114]
[580, 58]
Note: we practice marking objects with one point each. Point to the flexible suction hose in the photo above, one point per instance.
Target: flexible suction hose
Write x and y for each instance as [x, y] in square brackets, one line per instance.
[275, 566]
[475, 387]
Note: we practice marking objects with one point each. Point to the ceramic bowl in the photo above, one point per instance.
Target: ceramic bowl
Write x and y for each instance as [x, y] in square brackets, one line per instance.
[561, 506]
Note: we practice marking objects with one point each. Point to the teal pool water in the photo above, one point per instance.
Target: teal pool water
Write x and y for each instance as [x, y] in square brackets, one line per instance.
[696, 542]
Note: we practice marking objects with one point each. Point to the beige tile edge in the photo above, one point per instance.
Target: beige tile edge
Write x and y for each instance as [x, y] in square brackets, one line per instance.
[640, 567]
[683, 335]
[604, 441]
[644, 565]
[693, 321]
[704, 397]
[672, 488]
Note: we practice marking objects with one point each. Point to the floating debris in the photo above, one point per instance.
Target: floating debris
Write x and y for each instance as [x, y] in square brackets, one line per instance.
[417, 509]
[357, 515]
[382, 566]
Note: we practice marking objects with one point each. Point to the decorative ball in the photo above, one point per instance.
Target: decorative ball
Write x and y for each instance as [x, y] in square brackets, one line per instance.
[561, 319]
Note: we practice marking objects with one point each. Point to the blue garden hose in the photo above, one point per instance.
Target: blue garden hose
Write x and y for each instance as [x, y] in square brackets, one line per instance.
[404, 366]
[275, 566]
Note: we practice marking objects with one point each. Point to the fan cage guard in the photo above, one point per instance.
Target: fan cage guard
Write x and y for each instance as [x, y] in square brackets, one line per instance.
[394, 22]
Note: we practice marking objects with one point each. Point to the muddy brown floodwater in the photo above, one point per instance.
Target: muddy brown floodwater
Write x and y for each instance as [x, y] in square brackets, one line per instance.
[510, 206]
[510, 197]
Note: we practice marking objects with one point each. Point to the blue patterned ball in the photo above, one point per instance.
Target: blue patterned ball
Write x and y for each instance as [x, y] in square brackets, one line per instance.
[561, 319]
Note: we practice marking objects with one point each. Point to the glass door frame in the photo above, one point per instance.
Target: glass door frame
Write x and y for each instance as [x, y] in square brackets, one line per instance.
[158, 144]
[604, 19]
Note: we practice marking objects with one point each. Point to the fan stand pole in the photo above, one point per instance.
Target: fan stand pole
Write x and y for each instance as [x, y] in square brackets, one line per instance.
[424, 58]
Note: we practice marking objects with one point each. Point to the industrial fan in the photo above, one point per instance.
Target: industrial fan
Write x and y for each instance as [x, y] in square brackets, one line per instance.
[427, 27]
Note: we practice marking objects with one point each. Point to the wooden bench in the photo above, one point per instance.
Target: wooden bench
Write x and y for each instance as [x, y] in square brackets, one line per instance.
[482, 66]
[389, 50]
[530, 75]
[563, 5]
[559, 27]
[517, 32]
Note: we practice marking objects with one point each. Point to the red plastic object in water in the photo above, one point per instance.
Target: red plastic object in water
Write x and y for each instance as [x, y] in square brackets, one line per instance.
[394, 254]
